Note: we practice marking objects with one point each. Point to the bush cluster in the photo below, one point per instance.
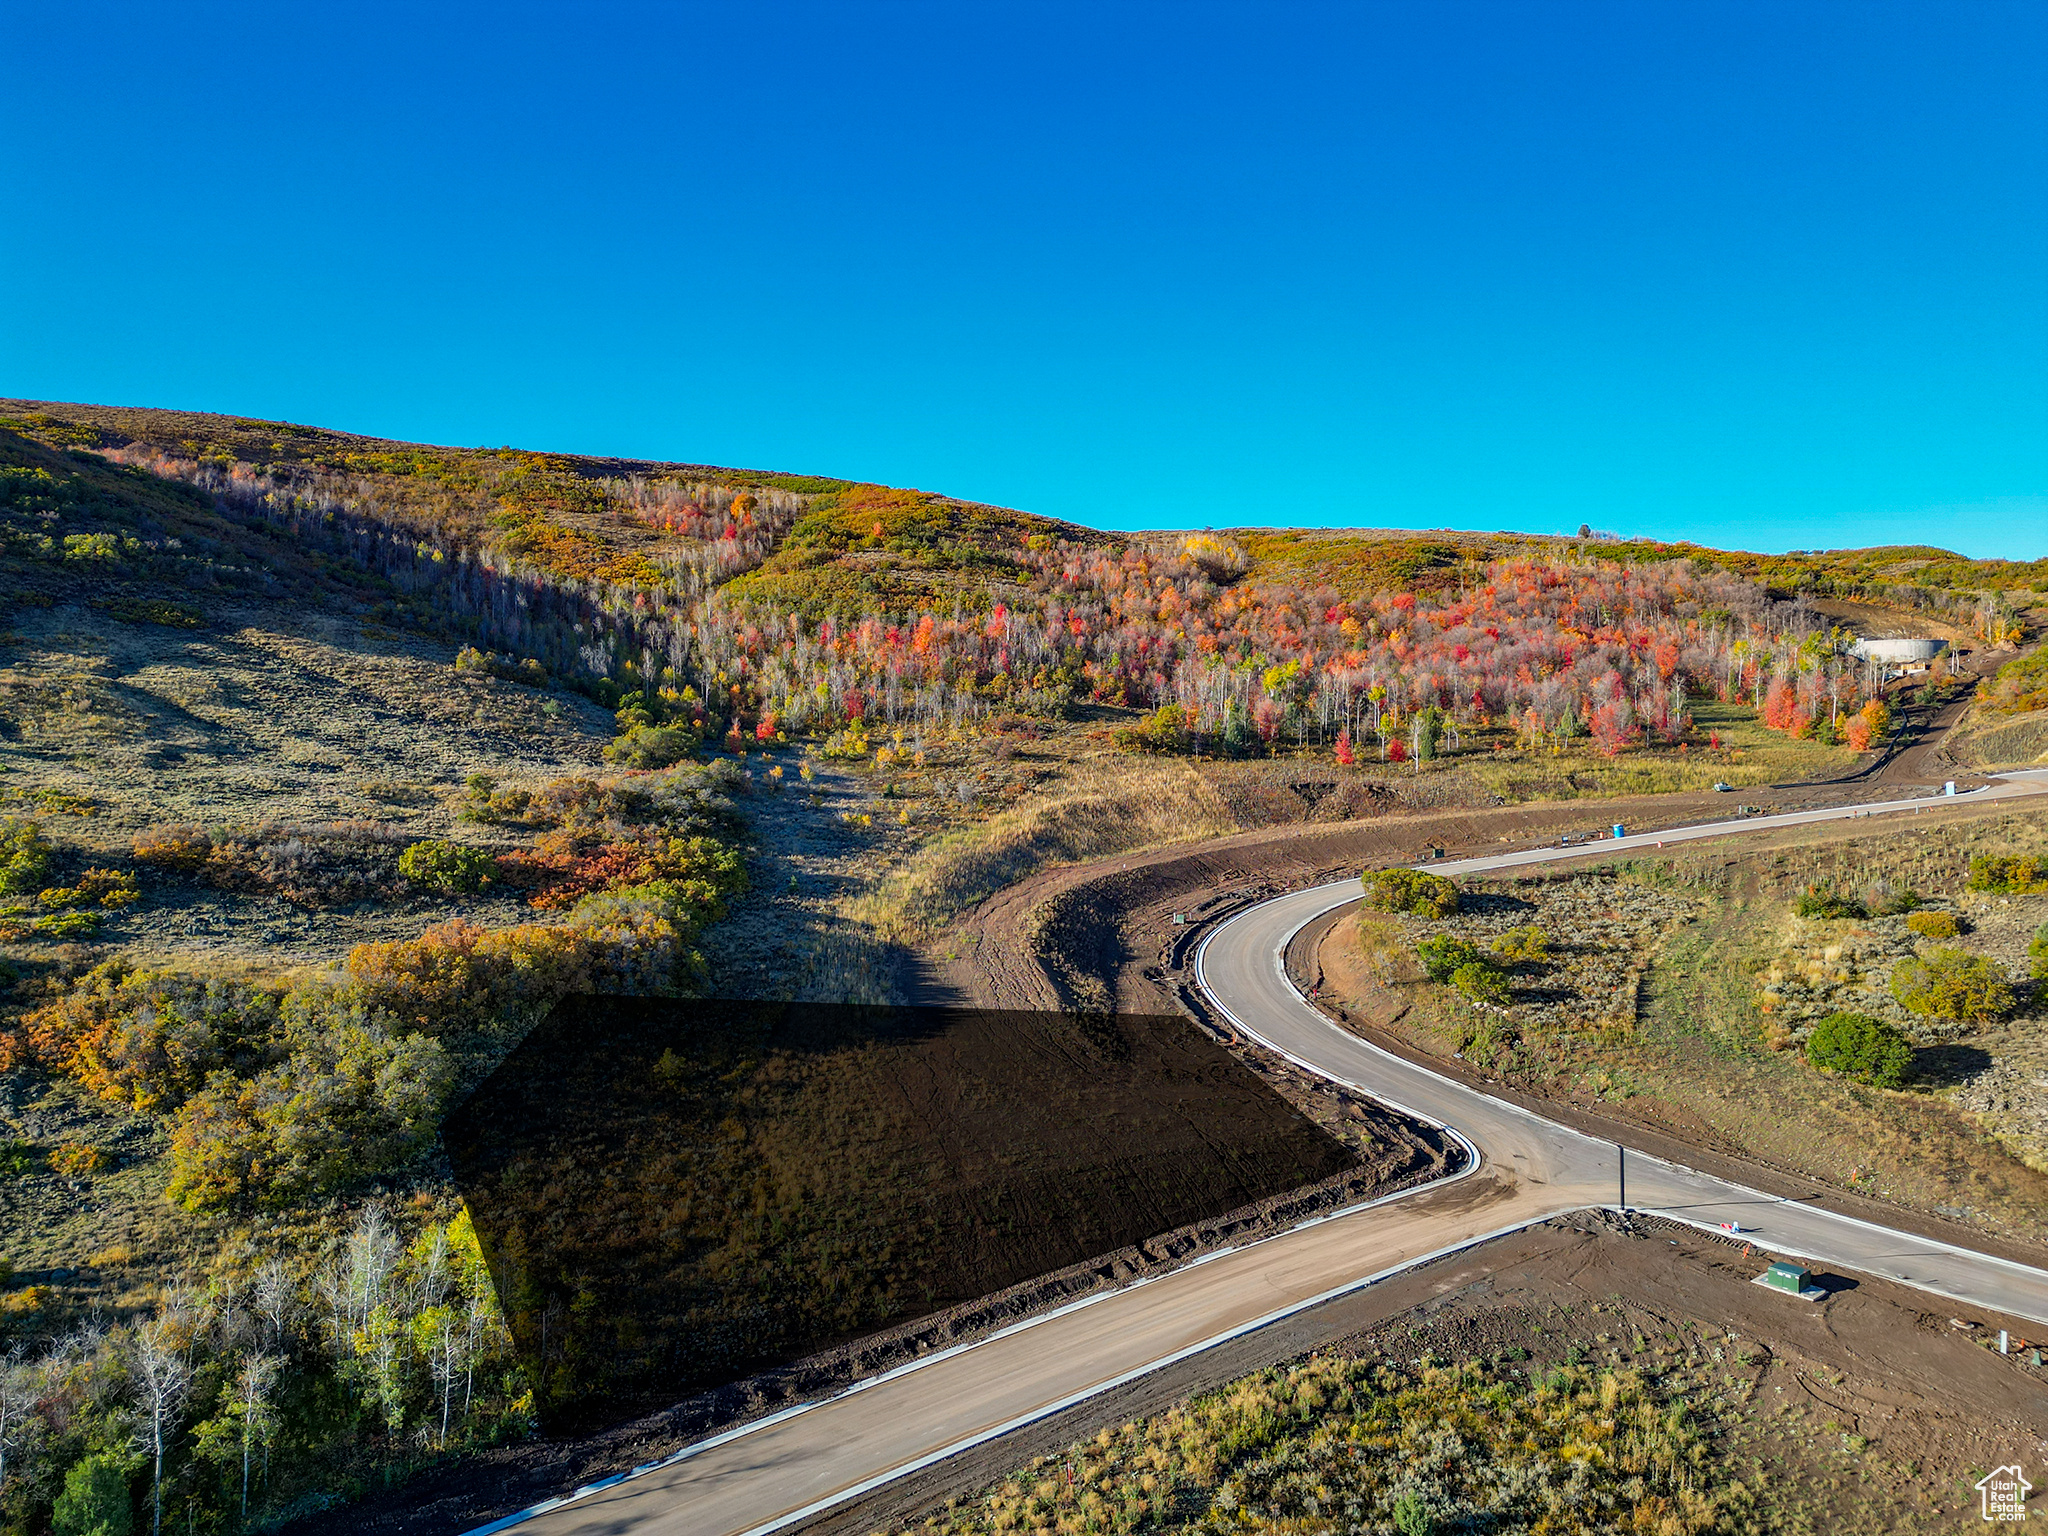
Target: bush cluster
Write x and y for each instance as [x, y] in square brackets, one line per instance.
[24, 857]
[1880, 900]
[1525, 944]
[688, 798]
[69, 911]
[282, 1093]
[1826, 902]
[1412, 891]
[2020, 685]
[1934, 925]
[1441, 955]
[654, 746]
[511, 668]
[327, 864]
[450, 868]
[1481, 981]
[1475, 974]
[1859, 1046]
[1952, 984]
[2017, 875]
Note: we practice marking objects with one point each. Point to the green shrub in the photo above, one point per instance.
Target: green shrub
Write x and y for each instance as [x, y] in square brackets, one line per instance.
[24, 857]
[1164, 730]
[1952, 984]
[436, 865]
[182, 848]
[1934, 925]
[2037, 951]
[1858, 1046]
[67, 925]
[652, 746]
[1527, 943]
[16, 1158]
[2020, 876]
[95, 1500]
[1481, 981]
[1413, 891]
[348, 1103]
[1412, 1516]
[1825, 901]
[512, 669]
[1442, 954]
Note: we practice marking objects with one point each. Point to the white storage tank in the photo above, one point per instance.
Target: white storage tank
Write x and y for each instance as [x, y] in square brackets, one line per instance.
[1898, 649]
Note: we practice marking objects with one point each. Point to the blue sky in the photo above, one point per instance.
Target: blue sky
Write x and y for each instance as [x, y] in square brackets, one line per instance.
[1767, 275]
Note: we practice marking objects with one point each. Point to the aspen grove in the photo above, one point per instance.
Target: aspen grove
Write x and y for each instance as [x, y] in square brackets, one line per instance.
[1546, 647]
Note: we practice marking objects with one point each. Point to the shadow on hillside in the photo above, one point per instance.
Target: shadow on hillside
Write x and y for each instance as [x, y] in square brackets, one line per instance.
[677, 1194]
[1946, 1066]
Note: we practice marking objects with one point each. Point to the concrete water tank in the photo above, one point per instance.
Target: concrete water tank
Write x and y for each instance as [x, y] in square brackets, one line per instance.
[1897, 650]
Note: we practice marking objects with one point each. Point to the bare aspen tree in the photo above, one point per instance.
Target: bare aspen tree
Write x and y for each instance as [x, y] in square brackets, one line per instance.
[478, 1318]
[159, 1377]
[274, 1302]
[440, 1334]
[253, 1384]
[20, 1385]
[352, 1286]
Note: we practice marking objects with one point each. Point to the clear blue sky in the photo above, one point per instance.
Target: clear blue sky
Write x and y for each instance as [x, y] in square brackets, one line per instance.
[1769, 275]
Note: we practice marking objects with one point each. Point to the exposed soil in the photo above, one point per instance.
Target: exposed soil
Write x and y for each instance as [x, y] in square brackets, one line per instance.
[1873, 622]
[1927, 751]
[1103, 932]
[1866, 1410]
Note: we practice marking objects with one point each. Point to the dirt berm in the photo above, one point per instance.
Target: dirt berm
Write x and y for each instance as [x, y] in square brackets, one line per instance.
[1102, 935]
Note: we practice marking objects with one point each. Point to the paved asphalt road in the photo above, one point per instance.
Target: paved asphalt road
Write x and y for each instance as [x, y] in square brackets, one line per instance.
[772, 1473]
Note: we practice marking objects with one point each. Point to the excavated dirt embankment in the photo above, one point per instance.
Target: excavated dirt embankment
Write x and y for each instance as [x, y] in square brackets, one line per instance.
[1103, 934]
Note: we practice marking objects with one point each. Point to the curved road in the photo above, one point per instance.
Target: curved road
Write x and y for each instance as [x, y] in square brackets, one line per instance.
[780, 1470]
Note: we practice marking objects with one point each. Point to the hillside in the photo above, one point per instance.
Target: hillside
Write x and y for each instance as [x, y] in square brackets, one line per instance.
[754, 604]
[328, 764]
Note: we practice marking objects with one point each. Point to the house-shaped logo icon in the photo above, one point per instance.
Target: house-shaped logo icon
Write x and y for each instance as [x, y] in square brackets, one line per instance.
[2004, 1492]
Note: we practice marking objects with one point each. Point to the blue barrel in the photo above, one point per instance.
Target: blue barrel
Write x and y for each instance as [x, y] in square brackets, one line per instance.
[1617, 830]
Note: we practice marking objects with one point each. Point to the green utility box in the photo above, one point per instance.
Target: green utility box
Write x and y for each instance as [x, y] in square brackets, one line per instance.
[1789, 1278]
